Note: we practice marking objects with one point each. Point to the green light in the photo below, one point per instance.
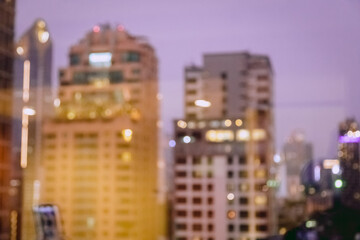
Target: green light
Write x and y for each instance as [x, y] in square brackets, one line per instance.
[311, 224]
[338, 183]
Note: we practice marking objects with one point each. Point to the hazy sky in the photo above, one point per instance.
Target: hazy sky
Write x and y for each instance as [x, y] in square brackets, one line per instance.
[314, 46]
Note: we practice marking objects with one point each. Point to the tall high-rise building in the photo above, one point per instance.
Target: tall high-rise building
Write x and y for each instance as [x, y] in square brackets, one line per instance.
[7, 215]
[349, 157]
[100, 154]
[32, 100]
[224, 149]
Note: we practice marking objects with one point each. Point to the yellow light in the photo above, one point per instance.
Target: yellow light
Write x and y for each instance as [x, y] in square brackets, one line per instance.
[71, 115]
[282, 231]
[260, 200]
[20, 50]
[243, 135]
[259, 134]
[228, 123]
[126, 157]
[41, 24]
[202, 103]
[238, 122]
[260, 173]
[108, 112]
[231, 214]
[26, 81]
[182, 124]
[330, 163]
[43, 36]
[13, 224]
[127, 134]
[24, 140]
[219, 135]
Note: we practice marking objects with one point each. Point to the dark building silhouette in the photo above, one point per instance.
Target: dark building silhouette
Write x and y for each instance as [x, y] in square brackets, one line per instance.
[7, 13]
[31, 105]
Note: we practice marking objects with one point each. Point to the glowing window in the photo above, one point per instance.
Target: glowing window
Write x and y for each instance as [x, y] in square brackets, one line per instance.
[101, 59]
[259, 134]
[260, 200]
[219, 135]
[242, 135]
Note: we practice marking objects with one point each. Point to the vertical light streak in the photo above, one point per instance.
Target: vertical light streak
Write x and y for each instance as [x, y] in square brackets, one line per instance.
[26, 81]
[25, 117]
[24, 139]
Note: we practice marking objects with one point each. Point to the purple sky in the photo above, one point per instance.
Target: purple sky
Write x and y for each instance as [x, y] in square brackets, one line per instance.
[314, 46]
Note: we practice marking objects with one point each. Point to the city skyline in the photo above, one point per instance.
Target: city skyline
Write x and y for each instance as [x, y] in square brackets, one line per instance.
[313, 50]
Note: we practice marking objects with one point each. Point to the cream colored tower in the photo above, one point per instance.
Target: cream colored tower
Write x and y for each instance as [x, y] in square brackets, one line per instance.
[100, 152]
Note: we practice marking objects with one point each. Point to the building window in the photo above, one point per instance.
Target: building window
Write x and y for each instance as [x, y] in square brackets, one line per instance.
[243, 200]
[130, 56]
[197, 187]
[197, 174]
[224, 75]
[242, 159]
[180, 174]
[191, 80]
[243, 174]
[196, 161]
[210, 201]
[210, 227]
[210, 174]
[74, 59]
[210, 161]
[180, 187]
[180, 200]
[230, 174]
[243, 187]
[261, 228]
[210, 214]
[230, 227]
[229, 160]
[197, 227]
[210, 187]
[180, 226]
[244, 228]
[197, 200]
[181, 213]
[197, 214]
[180, 161]
[243, 214]
[261, 214]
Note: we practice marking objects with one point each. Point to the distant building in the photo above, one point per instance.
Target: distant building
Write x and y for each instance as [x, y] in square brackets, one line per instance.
[32, 104]
[349, 156]
[224, 148]
[101, 150]
[8, 211]
[296, 154]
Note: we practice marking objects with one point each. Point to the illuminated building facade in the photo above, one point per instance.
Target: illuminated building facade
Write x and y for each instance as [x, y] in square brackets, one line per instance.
[8, 219]
[32, 101]
[100, 151]
[224, 150]
[349, 157]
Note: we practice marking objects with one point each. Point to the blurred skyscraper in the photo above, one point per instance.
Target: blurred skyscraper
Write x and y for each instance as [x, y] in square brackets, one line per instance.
[8, 218]
[224, 149]
[101, 150]
[32, 100]
[296, 154]
[349, 157]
